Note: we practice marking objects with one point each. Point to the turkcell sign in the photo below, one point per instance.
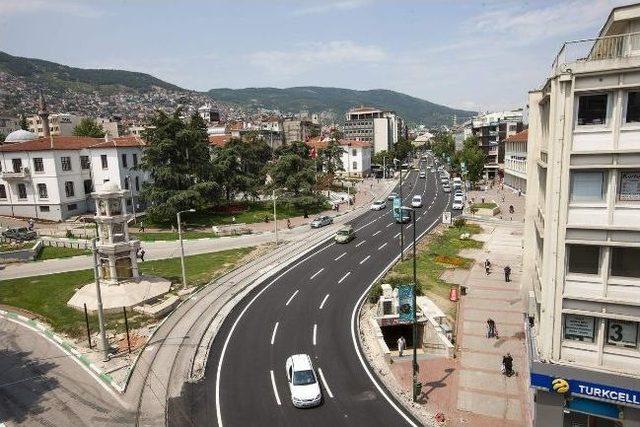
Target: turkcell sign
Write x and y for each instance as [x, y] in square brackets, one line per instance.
[405, 303]
[591, 390]
[397, 203]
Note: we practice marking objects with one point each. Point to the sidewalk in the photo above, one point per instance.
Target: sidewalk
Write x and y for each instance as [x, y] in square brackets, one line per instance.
[471, 390]
[262, 233]
[497, 195]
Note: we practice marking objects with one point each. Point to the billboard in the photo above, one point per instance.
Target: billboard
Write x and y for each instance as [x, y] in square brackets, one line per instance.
[405, 303]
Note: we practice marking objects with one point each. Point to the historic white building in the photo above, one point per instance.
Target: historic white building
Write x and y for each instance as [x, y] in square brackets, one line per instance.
[582, 231]
[53, 178]
[356, 155]
[515, 161]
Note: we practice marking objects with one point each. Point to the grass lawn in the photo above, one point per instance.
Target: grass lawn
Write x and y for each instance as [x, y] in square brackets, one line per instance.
[51, 252]
[47, 296]
[484, 205]
[433, 257]
[7, 247]
[167, 235]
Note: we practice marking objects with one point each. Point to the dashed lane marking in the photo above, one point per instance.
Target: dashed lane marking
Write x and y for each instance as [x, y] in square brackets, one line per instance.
[361, 243]
[323, 301]
[316, 273]
[385, 244]
[324, 383]
[376, 233]
[365, 260]
[344, 277]
[273, 334]
[315, 332]
[340, 256]
[292, 297]
[275, 389]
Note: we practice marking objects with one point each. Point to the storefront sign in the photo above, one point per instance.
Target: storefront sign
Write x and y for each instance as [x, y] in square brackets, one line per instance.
[578, 326]
[405, 303]
[590, 390]
[630, 186]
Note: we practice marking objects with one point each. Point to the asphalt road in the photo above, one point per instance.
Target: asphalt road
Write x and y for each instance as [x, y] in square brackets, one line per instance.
[309, 308]
[40, 385]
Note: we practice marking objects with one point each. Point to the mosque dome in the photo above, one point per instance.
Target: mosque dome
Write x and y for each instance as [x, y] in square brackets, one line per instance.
[20, 135]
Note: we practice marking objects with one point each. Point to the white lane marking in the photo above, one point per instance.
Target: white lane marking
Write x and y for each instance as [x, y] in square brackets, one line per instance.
[273, 334]
[275, 390]
[376, 233]
[396, 236]
[365, 260]
[389, 225]
[316, 273]
[324, 383]
[385, 244]
[292, 296]
[340, 256]
[344, 277]
[409, 226]
[323, 301]
[315, 332]
[361, 243]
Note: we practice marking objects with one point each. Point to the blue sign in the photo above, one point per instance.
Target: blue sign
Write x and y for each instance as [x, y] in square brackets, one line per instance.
[594, 407]
[397, 203]
[590, 390]
[405, 303]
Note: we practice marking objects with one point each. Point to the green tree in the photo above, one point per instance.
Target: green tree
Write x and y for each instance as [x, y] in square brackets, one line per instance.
[2, 137]
[293, 169]
[331, 156]
[473, 157]
[378, 158]
[24, 124]
[402, 149]
[88, 127]
[178, 160]
[444, 146]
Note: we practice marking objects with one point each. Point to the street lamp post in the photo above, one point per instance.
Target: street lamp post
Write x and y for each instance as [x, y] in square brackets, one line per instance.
[275, 216]
[401, 214]
[184, 274]
[96, 276]
[133, 202]
[415, 316]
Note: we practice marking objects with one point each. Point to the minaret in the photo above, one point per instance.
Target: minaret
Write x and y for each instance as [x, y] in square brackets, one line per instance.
[44, 116]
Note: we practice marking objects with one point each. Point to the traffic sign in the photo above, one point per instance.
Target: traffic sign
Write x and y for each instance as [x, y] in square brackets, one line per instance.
[446, 217]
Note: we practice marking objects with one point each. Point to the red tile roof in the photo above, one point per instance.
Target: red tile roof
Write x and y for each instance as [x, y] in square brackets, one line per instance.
[71, 143]
[318, 143]
[519, 137]
[219, 140]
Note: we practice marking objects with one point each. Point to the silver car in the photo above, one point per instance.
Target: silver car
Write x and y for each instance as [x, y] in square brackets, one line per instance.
[321, 221]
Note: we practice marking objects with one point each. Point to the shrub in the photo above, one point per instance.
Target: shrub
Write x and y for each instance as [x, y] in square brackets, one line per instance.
[450, 260]
[459, 222]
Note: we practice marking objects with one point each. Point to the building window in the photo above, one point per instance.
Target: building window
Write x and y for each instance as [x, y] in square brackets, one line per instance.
[354, 152]
[622, 333]
[42, 191]
[17, 165]
[633, 107]
[22, 191]
[587, 186]
[44, 208]
[355, 166]
[583, 259]
[592, 109]
[68, 189]
[84, 162]
[124, 160]
[103, 160]
[72, 206]
[38, 164]
[579, 328]
[137, 184]
[126, 182]
[3, 191]
[629, 189]
[88, 186]
[624, 262]
[66, 163]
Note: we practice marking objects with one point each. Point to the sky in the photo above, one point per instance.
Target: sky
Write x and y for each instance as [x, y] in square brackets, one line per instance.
[478, 55]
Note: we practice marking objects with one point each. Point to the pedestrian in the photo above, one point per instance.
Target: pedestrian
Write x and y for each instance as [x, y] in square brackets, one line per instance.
[142, 227]
[402, 344]
[503, 198]
[491, 328]
[507, 364]
[30, 224]
[371, 186]
[507, 274]
[487, 266]
[519, 193]
[141, 254]
[173, 229]
[511, 209]
[288, 223]
[233, 220]
[337, 207]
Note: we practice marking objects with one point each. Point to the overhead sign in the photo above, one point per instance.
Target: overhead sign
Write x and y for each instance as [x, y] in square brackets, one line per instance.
[586, 389]
[446, 217]
[405, 303]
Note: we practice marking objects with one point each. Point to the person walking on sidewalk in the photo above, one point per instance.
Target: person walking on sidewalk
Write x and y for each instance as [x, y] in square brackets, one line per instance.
[141, 227]
[141, 254]
[487, 266]
[402, 344]
[507, 274]
[491, 328]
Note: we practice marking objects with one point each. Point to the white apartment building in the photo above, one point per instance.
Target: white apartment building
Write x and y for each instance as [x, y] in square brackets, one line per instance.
[53, 178]
[582, 231]
[61, 124]
[356, 157]
[515, 161]
[381, 128]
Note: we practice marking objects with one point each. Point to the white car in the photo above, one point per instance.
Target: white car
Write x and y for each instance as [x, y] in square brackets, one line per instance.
[416, 202]
[303, 382]
[457, 205]
[423, 174]
[446, 188]
[378, 205]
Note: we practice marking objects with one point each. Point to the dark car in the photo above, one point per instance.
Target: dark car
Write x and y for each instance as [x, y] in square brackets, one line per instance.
[20, 234]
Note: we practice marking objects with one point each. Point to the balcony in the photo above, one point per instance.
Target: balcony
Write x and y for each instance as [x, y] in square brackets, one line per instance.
[597, 51]
[21, 175]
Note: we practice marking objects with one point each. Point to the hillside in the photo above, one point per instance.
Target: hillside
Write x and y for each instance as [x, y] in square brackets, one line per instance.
[316, 99]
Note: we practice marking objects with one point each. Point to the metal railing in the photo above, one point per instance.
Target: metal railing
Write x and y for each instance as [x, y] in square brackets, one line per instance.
[596, 49]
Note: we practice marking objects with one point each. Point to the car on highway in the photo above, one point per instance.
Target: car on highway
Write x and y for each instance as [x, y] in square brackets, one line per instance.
[423, 174]
[416, 202]
[444, 180]
[345, 234]
[432, 169]
[19, 234]
[303, 382]
[392, 196]
[446, 188]
[457, 205]
[321, 221]
[378, 205]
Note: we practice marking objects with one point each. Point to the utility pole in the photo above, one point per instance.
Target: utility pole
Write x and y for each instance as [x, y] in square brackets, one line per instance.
[96, 276]
[415, 315]
[275, 216]
[184, 274]
[384, 167]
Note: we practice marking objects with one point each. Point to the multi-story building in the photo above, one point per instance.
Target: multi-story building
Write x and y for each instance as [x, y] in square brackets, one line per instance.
[515, 161]
[492, 129]
[582, 231]
[355, 158]
[299, 129]
[52, 178]
[113, 127]
[381, 128]
[209, 114]
[61, 124]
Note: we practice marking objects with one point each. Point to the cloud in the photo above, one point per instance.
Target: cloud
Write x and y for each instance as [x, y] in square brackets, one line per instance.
[330, 6]
[303, 58]
[82, 9]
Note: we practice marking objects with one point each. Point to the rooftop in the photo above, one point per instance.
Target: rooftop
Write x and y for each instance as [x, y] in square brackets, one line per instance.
[71, 143]
[519, 137]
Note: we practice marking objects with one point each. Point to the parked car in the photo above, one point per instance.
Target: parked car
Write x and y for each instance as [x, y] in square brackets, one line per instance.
[423, 174]
[345, 234]
[303, 382]
[446, 188]
[321, 221]
[392, 196]
[378, 205]
[19, 234]
[457, 205]
[416, 202]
